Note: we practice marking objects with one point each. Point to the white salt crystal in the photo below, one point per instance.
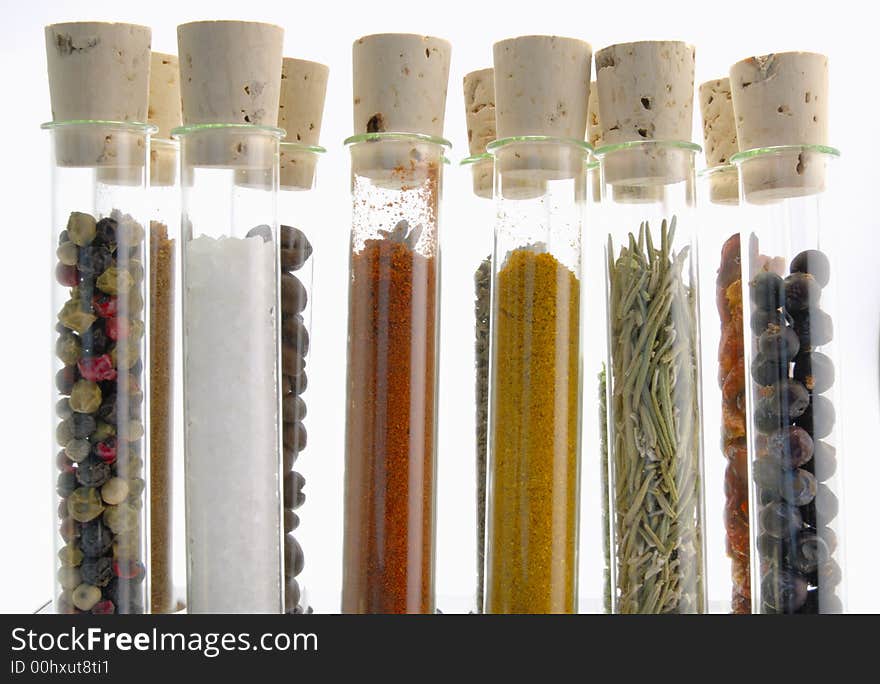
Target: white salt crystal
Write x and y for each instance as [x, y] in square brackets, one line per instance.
[233, 502]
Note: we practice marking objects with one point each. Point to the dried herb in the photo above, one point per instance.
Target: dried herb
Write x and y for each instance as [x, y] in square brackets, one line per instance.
[655, 421]
[482, 307]
[603, 478]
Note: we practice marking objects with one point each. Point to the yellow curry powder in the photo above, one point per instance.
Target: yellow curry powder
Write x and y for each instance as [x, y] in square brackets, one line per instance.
[534, 452]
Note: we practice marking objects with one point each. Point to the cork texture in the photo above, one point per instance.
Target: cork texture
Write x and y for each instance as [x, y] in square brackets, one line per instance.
[594, 124]
[646, 91]
[400, 83]
[479, 109]
[164, 103]
[719, 127]
[230, 72]
[542, 86]
[300, 112]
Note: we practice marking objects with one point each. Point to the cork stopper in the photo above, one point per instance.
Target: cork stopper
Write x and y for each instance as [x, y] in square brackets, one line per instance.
[164, 113]
[479, 110]
[542, 86]
[594, 126]
[781, 99]
[646, 92]
[300, 111]
[399, 86]
[230, 73]
[400, 83]
[719, 138]
[98, 72]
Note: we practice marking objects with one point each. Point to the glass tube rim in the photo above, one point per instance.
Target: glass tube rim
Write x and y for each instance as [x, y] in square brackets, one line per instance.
[476, 159]
[497, 145]
[131, 126]
[398, 136]
[686, 145]
[302, 147]
[717, 169]
[181, 131]
[762, 152]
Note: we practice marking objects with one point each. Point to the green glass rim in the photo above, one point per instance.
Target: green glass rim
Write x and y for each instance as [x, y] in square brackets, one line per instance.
[635, 144]
[302, 147]
[163, 142]
[592, 164]
[719, 168]
[133, 126]
[392, 135]
[496, 145]
[243, 127]
[740, 157]
[476, 159]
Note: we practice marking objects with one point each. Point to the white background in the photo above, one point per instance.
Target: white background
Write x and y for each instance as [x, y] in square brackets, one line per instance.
[323, 31]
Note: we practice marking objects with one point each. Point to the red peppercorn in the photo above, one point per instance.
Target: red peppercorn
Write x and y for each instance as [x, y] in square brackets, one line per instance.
[66, 275]
[97, 368]
[105, 305]
[105, 607]
[106, 450]
[117, 328]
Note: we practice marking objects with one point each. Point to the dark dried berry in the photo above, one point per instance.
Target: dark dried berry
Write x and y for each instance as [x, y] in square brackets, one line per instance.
[814, 328]
[66, 275]
[789, 397]
[291, 596]
[790, 447]
[291, 520]
[263, 231]
[815, 263]
[767, 371]
[294, 436]
[809, 552]
[294, 496]
[824, 461]
[105, 233]
[95, 538]
[94, 260]
[802, 292]
[293, 295]
[83, 425]
[780, 520]
[767, 291]
[293, 557]
[94, 340]
[294, 333]
[65, 379]
[819, 417]
[93, 472]
[293, 408]
[104, 607]
[799, 487]
[783, 591]
[767, 474]
[779, 343]
[827, 505]
[815, 370]
[97, 571]
[65, 484]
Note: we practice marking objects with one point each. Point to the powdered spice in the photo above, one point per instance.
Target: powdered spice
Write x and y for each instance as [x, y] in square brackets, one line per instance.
[161, 415]
[532, 538]
[389, 474]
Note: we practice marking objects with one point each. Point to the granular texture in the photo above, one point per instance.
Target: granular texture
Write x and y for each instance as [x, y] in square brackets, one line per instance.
[161, 415]
[482, 306]
[534, 453]
[389, 474]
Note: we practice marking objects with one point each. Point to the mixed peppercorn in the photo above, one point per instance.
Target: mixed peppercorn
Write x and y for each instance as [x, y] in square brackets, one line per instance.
[100, 430]
[792, 416]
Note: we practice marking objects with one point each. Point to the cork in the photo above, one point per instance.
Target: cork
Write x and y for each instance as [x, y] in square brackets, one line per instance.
[300, 111]
[479, 111]
[781, 99]
[230, 73]
[594, 137]
[719, 138]
[400, 83]
[646, 92]
[399, 86]
[164, 113]
[98, 71]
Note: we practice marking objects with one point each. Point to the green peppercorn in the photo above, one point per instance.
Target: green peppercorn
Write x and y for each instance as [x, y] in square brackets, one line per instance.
[124, 356]
[115, 280]
[85, 504]
[133, 430]
[136, 487]
[68, 348]
[62, 408]
[102, 431]
[114, 491]
[136, 269]
[69, 577]
[135, 330]
[126, 546]
[81, 228]
[64, 432]
[77, 450]
[70, 556]
[135, 302]
[67, 253]
[72, 316]
[129, 233]
[121, 518]
[85, 397]
[85, 596]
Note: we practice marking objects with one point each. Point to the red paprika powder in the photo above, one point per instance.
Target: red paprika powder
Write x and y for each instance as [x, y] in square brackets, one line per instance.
[390, 468]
